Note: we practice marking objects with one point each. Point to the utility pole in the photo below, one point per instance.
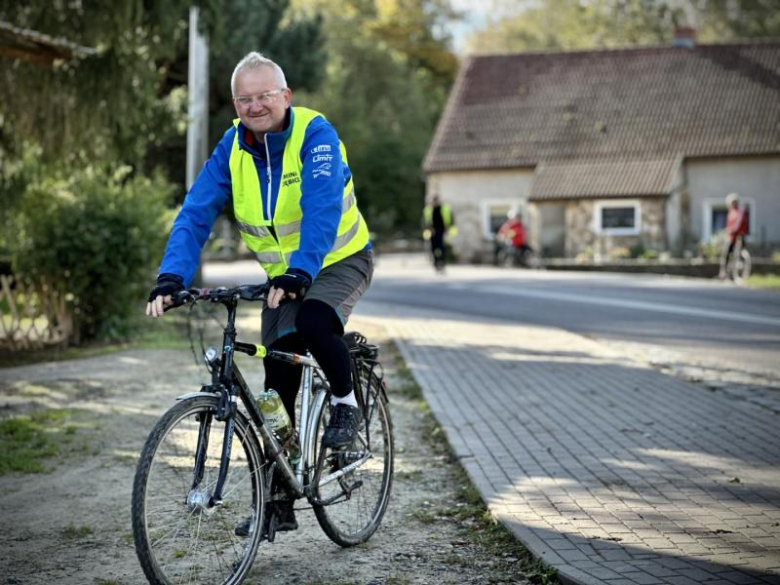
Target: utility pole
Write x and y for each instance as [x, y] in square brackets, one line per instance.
[197, 105]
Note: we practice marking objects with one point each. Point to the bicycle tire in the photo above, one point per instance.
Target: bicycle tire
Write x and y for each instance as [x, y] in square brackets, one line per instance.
[353, 518]
[190, 542]
[741, 266]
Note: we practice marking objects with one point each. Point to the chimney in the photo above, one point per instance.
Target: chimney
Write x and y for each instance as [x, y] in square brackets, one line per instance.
[684, 36]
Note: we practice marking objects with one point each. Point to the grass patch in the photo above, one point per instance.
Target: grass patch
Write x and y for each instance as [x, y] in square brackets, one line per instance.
[73, 532]
[416, 475]
[764, 281]
[27, 441]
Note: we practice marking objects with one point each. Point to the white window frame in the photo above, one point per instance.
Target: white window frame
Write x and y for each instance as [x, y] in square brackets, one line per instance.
[610, 203]
[485, 215]
[710, 203]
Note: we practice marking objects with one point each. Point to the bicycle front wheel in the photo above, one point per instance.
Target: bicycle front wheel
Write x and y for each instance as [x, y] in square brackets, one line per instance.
[742, 266]
[350, 506]
[180, 536]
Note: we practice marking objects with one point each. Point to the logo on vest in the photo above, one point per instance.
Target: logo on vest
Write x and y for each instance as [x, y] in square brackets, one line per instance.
[322, 157]
[290, 179]
[321, 148]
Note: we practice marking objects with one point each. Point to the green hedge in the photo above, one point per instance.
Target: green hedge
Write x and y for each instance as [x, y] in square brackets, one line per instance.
[96, 237]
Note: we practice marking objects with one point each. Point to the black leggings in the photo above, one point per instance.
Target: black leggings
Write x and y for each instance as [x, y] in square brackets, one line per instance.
[320, 331]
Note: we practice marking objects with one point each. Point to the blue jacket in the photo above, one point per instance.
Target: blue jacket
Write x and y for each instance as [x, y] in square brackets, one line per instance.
[211, 191]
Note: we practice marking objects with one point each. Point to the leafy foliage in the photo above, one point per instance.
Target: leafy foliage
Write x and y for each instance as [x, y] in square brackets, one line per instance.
[572, 24]
[73, 219]
[388, 74]
[93, 235]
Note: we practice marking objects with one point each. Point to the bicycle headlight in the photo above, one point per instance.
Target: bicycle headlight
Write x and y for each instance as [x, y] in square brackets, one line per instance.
[211, 356]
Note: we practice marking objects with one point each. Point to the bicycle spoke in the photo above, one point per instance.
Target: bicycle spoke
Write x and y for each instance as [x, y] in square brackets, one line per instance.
[190, 540]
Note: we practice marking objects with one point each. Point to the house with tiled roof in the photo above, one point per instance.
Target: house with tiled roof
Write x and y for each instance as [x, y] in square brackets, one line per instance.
[611, 148]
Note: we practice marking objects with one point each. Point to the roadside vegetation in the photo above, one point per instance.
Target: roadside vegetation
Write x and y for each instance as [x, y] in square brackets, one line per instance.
[30, 442]
[146, 333]
[764, 281]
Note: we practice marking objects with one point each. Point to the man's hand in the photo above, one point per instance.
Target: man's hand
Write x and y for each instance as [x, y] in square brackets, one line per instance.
[289, 285]
[160, 297]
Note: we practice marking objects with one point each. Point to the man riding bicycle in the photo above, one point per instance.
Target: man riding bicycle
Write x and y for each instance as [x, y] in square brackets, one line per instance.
[737, 225]
[285, 172]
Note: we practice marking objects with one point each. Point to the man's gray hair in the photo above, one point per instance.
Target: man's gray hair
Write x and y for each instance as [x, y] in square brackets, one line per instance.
[255, 60]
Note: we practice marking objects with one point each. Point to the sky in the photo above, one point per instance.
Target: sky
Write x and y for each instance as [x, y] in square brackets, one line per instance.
[476, 13]
[474, 17]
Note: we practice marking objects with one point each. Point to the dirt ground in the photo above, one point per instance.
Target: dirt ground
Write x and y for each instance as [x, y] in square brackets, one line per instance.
[71, 524]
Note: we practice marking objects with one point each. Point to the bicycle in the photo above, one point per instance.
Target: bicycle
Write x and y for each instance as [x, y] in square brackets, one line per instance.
[203, 470]
[739, 263]
[510, 256]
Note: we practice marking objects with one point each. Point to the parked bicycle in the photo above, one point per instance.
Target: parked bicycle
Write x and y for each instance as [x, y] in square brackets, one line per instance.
[211, 462]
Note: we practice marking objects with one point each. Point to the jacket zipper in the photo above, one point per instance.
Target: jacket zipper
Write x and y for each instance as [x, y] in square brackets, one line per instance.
[268, 195]
[268, 172]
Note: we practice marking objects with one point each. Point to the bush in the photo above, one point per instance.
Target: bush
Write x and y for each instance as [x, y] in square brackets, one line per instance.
[94, 237]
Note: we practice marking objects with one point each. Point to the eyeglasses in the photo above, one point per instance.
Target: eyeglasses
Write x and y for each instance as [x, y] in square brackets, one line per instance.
[268, 97]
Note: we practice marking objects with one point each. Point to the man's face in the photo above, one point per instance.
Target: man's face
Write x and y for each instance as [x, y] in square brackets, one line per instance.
[259, 103]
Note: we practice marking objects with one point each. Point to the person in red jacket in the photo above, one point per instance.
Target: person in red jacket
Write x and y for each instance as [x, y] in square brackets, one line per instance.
[737, 225]
[512, 234]
[513, 230]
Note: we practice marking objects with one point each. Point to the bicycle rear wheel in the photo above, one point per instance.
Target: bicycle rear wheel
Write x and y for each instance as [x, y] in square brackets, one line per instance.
[179, 536]
[350, 508]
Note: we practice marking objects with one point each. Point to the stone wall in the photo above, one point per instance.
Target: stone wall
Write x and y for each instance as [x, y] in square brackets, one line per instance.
[581, 236]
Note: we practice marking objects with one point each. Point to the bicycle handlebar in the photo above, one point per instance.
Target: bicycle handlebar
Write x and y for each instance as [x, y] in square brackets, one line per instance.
[245, 292]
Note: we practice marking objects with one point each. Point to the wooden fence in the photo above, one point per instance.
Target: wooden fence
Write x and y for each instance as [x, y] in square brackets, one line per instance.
[32, 316]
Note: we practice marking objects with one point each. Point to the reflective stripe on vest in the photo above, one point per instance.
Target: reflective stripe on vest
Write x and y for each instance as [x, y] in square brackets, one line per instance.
[274, 253]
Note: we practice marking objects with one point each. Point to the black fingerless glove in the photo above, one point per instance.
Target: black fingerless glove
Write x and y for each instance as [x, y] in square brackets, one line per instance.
[167, 284]
[293, 281]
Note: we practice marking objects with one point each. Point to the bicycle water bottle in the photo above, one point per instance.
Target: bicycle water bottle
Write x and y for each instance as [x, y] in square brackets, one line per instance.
[275, 414]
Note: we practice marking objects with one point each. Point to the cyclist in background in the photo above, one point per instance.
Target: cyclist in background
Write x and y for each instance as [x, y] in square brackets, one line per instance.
[737, 224]
[511, 234]
[438, 221]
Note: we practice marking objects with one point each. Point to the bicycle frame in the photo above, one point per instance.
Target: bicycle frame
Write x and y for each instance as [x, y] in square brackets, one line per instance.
[229, 384]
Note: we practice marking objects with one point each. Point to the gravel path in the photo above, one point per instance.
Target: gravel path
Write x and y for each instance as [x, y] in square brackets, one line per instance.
[72, 523]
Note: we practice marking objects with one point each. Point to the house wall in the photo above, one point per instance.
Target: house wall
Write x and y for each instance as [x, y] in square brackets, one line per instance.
[472, 195]
[581, 236]
[756, 179]
[549, 228]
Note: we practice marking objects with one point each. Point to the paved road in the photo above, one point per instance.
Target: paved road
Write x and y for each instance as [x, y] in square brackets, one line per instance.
[696, 318]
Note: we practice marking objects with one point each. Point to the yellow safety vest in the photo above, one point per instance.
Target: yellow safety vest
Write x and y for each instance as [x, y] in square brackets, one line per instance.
[274, 253]
[446, 215]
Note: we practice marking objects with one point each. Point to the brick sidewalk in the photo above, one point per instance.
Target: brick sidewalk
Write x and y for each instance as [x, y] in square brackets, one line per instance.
[610, 471]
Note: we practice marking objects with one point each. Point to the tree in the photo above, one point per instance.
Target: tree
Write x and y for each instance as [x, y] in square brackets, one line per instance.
[389, 70]
[578, 24]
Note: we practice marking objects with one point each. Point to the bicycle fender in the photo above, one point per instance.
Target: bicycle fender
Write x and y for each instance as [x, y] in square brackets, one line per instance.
[195, 395]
